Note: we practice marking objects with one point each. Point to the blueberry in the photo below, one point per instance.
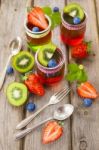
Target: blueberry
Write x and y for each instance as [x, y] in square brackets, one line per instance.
[9, 70]
[35, 29]
[76, 20]
[87, 102]
[55, 9]
[52, 63]
[30, 106]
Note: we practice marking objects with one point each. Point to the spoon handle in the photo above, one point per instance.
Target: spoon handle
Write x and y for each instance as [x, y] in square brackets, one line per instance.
[24, 132]
[26, 121]
[4, 72]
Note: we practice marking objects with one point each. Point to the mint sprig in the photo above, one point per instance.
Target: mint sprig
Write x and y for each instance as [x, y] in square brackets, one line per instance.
[76, 73]
[54, 16]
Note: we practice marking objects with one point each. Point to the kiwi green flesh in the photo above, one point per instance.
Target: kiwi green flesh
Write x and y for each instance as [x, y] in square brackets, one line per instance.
[16, 94]
[23, 62]
[45, 54]
[75, 7]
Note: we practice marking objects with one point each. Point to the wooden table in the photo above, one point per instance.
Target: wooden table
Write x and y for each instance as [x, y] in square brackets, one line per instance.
[81, 131]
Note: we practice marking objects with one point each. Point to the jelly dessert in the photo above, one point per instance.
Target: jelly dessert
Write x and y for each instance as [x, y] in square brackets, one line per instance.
[50, 64]
[73, 24]
[38, 27]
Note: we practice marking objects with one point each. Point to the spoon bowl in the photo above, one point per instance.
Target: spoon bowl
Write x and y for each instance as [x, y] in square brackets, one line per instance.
[63, 112]
[15, 45]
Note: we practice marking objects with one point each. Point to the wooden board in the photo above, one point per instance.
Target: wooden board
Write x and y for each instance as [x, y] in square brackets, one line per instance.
[81, 131]
[85, 133]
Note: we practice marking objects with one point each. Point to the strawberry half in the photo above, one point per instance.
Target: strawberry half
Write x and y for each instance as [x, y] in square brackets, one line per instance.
[37, 18]
[86, 90]
[40, 15]
[81, 51]
[34, 86]
[51, 132]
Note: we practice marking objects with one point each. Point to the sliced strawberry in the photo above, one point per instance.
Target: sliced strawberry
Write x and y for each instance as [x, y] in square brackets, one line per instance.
[35, 88]
[33, 20]
[38, 12]
[87, 90]
[51, 132]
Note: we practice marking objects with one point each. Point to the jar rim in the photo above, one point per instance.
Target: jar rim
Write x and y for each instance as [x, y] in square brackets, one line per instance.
[74, 26]
[56, 67]
[41, 32]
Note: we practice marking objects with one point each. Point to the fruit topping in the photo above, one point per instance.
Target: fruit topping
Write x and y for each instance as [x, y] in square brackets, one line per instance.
[51, 132]
[46, 53]
[9, 70]
[52, 63]
[35, 29]
[87, 102]
[23, 61]
[16, 93]
[55, 16]
[87, 90]
[30, 107]
[34, 86]
[76, 73]
[76, 20]
[74, 10]
[37, 18]
[82, 50]
[56, 9]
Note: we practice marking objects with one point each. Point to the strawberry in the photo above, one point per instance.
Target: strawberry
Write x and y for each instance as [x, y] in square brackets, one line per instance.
[81, 51]
[86, 90]
[40, 15]
[37, 18]
[33, 85]
[51, 132]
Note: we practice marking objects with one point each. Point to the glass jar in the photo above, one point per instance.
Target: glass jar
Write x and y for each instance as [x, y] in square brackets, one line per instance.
[47, 75]
[38, 38]
[72, 34]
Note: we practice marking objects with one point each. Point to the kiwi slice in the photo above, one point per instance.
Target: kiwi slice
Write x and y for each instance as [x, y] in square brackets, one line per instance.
[16, 93]
[23, 61]
[46, 53]
[74, 10]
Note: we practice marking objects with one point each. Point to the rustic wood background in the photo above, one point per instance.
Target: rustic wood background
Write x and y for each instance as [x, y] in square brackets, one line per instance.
[81, 131]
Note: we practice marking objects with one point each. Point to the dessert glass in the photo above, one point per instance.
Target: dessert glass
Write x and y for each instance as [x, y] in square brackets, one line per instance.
[47, 75]
[38, 38]
[73, 34]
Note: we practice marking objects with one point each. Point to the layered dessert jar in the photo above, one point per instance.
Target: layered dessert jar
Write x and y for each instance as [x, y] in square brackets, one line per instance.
[50, 65]
[73, 25]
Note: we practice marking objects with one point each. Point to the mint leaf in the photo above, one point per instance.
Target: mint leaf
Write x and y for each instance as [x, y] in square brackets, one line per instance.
[73, 67]
[71, 77]
[47, 10]
[56, 19]
[76, 73]
[54, 16]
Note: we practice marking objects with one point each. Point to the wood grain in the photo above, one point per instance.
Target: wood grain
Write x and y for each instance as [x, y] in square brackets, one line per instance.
[33, 141]
[11, 25]
[85, 133]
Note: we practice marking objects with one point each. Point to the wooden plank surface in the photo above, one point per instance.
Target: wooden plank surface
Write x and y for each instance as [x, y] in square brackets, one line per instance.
[85, 123]
[81, 131]
[11, 18]
[33, 141]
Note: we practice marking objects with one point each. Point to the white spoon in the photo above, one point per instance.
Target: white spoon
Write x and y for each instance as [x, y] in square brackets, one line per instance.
[15, 47]
[61, 113]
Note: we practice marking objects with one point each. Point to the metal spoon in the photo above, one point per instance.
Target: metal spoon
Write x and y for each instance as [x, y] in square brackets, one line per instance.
[61, 113]
[15, 47]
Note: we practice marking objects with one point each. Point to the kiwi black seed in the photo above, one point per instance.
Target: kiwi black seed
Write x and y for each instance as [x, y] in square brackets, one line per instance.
[23, 61]
[16, 93]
